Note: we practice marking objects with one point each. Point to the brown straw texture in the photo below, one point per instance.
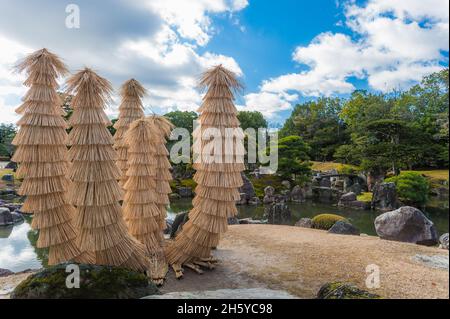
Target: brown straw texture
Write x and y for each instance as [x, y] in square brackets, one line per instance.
[218, 179]
[143, 211]
[131, 109]
[95, 191]
[42, 155]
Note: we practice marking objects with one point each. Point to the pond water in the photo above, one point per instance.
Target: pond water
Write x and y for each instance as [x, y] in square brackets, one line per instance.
[18, 250]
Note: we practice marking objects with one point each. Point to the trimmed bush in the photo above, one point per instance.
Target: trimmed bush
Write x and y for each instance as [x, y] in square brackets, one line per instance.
[326, 221]
[412, 188]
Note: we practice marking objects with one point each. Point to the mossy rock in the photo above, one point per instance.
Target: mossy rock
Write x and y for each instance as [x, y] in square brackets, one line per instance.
[96, 282]
[326, 221]
[339, 290]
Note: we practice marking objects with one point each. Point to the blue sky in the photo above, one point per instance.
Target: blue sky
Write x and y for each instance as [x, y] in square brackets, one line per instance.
[285, 51]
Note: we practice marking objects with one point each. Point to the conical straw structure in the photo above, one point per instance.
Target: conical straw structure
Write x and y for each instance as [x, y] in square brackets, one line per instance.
[95, 191]
[162, 128]
[218, 172]
[143, 211]
[42, 155]
[131, 109]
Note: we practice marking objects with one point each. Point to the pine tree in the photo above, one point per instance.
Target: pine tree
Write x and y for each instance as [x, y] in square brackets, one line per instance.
[218, 174]
[42, 155]
[142, 208]
[130, 110]
[95, 190]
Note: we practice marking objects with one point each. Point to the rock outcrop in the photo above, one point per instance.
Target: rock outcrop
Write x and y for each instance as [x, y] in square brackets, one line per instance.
[278, 214]
[96, 282]
[305, 223]
[443, 241]
[406, 224]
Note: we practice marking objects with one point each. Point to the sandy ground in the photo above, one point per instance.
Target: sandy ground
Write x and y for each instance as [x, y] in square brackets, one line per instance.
[301, 260]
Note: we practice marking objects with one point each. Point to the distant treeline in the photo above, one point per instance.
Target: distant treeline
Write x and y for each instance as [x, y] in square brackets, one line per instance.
[379, 132]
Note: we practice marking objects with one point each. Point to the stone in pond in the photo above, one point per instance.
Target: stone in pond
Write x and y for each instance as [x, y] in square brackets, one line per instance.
[344, 228]
[339, 290]
[96, 282]
[6, 219]
[406, 224]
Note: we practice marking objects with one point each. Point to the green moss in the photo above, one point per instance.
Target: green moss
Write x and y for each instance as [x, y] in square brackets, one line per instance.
[326, 221]
[365, 197]
[188, 183]
[96, 282]
[339, 290]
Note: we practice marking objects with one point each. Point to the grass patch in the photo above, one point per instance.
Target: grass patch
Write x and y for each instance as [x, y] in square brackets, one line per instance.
[438, 174]
[341, 168]
[365, 197]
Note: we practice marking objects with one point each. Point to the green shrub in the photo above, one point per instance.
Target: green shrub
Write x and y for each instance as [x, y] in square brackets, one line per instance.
[326, 221]
[412, 187]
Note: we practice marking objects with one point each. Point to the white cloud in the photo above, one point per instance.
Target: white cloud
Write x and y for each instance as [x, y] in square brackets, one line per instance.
[155, 41]
[190, 18]
[394, 44]
[268, 103]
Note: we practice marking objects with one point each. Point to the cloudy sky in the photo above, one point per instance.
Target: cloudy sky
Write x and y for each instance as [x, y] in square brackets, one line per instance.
[285, 51]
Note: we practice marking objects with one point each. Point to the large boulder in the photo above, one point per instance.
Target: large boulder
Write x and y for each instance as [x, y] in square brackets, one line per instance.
[6, 218]
[339, 290]
[406, 224]
[178, 223]
[385, 197]
[96, 282]
[343, 227]
[278, 214]
[247, 189]
[298, 194]
[443, 240]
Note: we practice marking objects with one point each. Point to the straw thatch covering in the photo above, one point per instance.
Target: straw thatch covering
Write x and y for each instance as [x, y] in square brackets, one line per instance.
[130, 110]
[95, 191]
[42, 155]
[145, 191]
[218, 174]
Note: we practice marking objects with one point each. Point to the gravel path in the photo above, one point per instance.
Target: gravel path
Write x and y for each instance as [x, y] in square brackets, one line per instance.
[301, 260]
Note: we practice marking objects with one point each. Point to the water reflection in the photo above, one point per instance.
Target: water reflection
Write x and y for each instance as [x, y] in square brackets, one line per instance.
[18, 250]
